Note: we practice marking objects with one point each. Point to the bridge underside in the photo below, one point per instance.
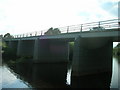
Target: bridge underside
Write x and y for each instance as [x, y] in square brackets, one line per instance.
[51, 51]
[91, 55]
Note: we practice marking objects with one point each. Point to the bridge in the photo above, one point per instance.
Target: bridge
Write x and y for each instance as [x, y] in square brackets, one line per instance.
[91, 52]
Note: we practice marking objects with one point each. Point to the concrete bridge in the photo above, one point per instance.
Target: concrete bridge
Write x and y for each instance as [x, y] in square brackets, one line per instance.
[92, 50]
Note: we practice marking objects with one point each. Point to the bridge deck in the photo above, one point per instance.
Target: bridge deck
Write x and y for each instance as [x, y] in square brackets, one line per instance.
[109, 33]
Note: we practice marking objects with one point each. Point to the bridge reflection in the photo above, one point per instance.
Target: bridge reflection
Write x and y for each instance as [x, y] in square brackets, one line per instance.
[55, 76]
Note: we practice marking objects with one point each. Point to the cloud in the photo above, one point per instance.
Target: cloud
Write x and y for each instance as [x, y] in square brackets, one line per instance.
[21, 16]
[111, 7]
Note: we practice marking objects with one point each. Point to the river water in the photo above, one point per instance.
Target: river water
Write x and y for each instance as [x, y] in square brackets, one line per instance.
[37, 77]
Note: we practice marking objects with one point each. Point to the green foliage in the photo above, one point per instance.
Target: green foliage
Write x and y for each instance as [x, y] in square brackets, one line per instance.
[71, 46]
[8, 53]
[0, 44]
[56, 31]
[19, 60]
[11, 62]
[23, 59]
[8, 35]
[52, 31]
[116, 51]
[3, 44]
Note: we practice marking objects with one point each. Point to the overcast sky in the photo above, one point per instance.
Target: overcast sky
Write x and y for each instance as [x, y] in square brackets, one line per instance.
[21, 16]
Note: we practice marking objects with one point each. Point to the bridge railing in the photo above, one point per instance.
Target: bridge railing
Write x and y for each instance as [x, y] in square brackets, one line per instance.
[94, 26]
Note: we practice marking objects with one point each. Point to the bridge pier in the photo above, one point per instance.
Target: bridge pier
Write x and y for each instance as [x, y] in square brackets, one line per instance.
[25, 48]
[92, 63]
[13, 46]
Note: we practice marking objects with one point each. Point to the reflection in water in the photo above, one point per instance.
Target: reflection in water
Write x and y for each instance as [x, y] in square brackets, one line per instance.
[68, 78]
[43, 75]
[0, 77]
[114, 83]
[51, 76]
[119, 74]
[9, 80]
[98, 80]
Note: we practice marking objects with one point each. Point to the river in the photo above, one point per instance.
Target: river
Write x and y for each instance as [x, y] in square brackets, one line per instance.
[36, 77]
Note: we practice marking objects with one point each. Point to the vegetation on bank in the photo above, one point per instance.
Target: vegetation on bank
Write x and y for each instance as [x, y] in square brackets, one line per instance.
[7, 35]
[8, 54]
[18, 60]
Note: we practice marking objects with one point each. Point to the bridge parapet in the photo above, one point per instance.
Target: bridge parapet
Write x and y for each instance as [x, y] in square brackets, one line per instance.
[94, 26]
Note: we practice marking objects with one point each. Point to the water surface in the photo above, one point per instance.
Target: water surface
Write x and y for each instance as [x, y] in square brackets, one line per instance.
[45, 76]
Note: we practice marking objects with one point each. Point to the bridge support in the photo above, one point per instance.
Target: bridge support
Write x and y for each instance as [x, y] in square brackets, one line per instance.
[92, 62]
[50, 51]
[13, 46]
[25, 48]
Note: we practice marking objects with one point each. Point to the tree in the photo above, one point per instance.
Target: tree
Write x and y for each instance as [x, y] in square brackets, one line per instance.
[8, 35]
[52, 31]
[49, 32]
[56, 31]
[1, 36]
[116, 50]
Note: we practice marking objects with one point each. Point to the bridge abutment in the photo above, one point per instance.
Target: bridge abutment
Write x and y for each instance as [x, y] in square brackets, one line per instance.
[92, 57]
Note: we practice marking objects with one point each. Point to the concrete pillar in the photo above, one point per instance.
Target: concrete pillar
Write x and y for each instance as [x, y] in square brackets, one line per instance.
[41, 51]
[25, 48]
[19, 47]
[36, 50]
[50, 51]
[92, 57]
[13, 46]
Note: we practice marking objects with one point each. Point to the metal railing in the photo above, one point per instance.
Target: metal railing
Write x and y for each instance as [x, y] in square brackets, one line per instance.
[94, 26]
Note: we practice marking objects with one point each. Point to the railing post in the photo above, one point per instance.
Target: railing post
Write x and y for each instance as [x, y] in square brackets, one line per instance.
[81, 27]
[99, 25]
[67, 29]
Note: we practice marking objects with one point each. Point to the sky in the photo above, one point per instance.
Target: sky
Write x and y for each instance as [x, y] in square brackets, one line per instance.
[22, 16]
